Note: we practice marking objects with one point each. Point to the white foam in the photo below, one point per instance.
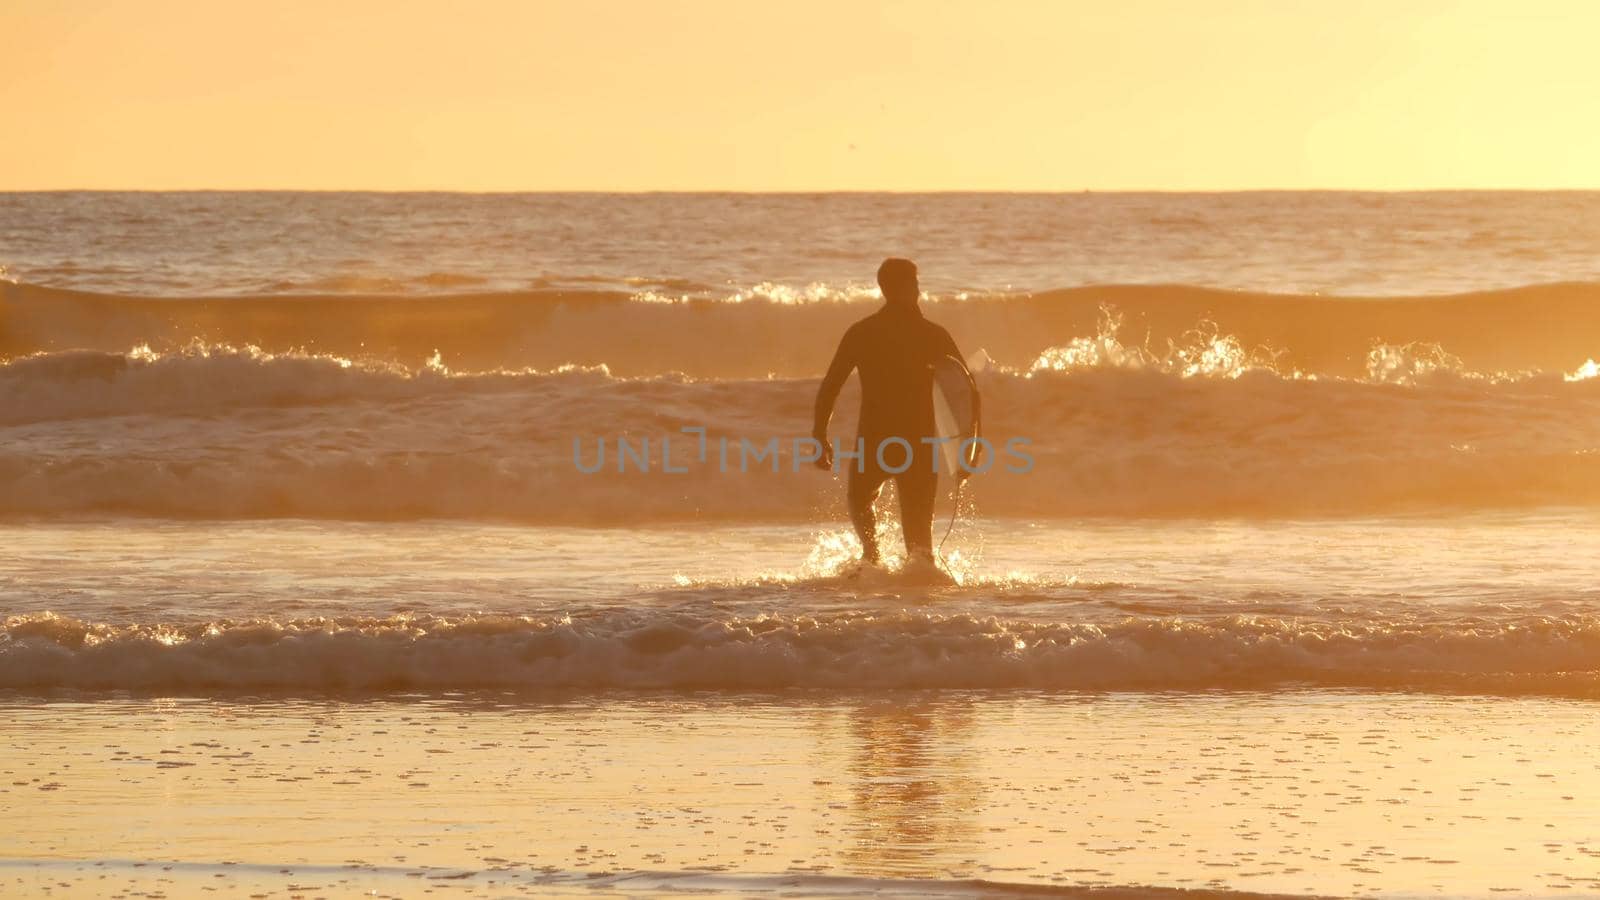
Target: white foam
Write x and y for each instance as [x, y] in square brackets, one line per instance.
[851, 650]
[216, 431]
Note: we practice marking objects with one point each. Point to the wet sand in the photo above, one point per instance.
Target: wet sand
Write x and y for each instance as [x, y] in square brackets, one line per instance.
[1284, 793]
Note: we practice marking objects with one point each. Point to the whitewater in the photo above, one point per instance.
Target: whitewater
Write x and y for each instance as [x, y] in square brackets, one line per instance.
[297, 607]
[1093, 427]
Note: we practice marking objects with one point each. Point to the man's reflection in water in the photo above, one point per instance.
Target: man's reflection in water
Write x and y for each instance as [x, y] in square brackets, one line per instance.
[914, 802]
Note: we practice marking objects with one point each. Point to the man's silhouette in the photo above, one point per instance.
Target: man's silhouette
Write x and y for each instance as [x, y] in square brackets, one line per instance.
[894, 349]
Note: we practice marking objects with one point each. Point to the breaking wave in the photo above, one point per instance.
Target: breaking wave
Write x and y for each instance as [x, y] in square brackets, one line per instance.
[1202, 428]
[846, 651]
[787, 331]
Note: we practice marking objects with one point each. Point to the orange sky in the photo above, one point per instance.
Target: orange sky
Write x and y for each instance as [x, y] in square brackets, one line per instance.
[819, 95]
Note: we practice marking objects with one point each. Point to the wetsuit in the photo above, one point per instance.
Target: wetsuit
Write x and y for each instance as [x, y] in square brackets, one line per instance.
[893, 349]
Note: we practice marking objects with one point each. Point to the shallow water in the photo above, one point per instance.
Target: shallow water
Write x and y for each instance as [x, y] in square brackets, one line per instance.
[1504, 603]
[808, 794]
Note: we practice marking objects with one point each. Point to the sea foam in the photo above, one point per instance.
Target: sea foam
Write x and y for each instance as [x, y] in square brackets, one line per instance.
[214, 431]
[842, 651]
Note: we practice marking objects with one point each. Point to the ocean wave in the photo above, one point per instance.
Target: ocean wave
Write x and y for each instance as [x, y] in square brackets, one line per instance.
[222, 432]
[201, 378]
[768, 292]
[790, 331]
[841, 651]
[351, 283]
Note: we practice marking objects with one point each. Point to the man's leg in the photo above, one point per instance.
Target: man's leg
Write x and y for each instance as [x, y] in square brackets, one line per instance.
[917, 488]
[861, 492]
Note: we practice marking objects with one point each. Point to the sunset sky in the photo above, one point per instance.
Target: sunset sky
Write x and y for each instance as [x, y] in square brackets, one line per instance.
[742, 95]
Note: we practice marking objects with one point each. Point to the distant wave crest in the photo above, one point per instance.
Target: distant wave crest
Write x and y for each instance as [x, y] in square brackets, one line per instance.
[657, 326]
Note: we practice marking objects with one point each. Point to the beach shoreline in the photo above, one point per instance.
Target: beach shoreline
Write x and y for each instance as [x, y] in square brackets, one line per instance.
[1341, 793]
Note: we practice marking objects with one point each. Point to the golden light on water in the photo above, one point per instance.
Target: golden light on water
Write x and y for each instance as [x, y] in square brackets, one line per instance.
[1276, 573]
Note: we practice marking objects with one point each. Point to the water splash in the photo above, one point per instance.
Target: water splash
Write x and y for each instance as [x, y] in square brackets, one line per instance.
[1588, 370]
[1202, 352]
[1408, 364]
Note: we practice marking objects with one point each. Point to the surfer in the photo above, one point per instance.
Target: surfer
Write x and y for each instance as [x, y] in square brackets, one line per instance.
[894, 349]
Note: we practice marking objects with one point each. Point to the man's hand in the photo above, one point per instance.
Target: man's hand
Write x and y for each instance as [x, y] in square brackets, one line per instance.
[825, 461]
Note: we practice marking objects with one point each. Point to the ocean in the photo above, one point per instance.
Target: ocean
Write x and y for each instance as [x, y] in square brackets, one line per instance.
[308, 583]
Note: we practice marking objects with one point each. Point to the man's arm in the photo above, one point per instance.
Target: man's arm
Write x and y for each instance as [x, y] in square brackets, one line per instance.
[947, 345]
[844, 362]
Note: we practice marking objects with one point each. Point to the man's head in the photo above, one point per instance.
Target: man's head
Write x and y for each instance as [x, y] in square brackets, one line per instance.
[897, 278]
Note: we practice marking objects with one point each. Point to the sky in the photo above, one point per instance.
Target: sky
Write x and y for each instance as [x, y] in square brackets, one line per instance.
[745, 95]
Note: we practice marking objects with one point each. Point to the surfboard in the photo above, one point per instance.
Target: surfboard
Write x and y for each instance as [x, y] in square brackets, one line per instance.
[955, 413]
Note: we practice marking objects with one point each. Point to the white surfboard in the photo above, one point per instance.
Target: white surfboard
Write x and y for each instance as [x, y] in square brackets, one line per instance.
[955, 414]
